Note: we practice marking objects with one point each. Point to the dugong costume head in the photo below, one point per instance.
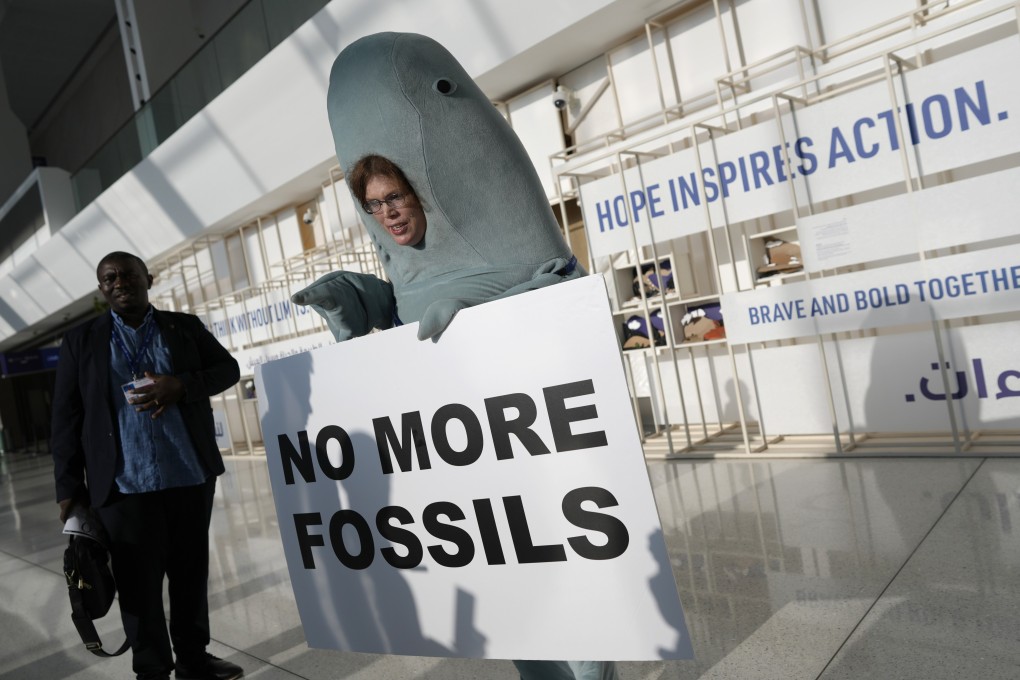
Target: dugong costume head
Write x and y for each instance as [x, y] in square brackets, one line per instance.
[491, 231]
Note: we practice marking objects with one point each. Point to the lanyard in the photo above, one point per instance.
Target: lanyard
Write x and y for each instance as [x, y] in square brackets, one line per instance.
[134, 360]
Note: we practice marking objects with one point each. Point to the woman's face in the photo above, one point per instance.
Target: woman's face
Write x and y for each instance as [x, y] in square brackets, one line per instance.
[407, 224]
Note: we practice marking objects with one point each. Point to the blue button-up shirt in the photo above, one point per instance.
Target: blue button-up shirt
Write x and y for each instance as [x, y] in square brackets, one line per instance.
[155, 453]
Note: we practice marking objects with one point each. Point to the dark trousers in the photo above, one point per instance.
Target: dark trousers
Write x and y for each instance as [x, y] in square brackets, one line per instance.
[152, 536]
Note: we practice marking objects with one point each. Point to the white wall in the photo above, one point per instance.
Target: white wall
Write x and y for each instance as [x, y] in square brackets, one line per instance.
[537, 122]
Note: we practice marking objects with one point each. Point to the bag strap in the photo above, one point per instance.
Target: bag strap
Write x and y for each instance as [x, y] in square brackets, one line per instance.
[87, 630]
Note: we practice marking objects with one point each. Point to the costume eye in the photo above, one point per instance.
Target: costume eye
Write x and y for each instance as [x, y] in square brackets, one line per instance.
[444, 86]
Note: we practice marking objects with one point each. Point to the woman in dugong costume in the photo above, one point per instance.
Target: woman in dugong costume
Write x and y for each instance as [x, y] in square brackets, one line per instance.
[472, 225]
[491, 233]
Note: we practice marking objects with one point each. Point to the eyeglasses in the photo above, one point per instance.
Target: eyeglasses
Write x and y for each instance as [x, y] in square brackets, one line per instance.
[394, 200]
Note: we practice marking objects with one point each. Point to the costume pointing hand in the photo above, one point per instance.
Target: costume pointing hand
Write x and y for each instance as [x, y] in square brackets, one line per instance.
[352, 304]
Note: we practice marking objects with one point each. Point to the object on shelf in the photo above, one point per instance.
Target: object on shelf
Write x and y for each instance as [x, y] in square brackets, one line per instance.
[780, 256]
[635, 330]
[656, 279]
[703, 323]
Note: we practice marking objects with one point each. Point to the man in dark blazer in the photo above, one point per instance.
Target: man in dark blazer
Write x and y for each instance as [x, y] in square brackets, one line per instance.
[133, 437]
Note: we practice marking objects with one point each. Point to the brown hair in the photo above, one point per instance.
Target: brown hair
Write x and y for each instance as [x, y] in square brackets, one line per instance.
[371, 166]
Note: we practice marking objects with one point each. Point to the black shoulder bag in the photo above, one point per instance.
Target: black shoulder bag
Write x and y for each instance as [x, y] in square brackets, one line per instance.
[91, 588]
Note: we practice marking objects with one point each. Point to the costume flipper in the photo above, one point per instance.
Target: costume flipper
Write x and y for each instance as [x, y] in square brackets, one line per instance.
[351, 303]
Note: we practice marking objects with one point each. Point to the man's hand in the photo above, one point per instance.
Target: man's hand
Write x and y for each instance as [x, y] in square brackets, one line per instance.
[157, 396]
[66, 506]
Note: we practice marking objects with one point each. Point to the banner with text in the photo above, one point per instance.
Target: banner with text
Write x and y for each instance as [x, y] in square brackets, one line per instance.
[249, 358]
[481, 496]
[262, 318]
[893, 382]
[950, 287]
[952, 113]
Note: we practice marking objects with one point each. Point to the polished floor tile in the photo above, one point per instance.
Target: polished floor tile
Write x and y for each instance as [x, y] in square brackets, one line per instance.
[883, 568]
[953, 611]
[777, 561]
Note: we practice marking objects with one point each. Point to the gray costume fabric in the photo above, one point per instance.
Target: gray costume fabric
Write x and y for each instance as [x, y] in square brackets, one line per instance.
[491, 232]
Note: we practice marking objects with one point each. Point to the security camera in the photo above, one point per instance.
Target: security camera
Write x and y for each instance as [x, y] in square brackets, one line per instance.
[309, 216]
[561, 97]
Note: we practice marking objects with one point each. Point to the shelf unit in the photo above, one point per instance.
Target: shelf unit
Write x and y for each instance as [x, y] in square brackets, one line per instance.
[774, 255]
[717, 387]
[654, 372]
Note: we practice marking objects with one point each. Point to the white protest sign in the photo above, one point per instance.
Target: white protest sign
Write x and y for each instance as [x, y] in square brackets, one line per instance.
[481, 496]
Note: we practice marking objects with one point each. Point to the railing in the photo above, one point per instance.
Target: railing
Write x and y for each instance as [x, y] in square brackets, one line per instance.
[737, 81]
[238, 45]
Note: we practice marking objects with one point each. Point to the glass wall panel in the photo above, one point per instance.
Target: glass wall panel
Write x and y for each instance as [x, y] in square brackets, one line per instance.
[283, 17]
[241, 43]
[258, 27]
[195, 85]
[162, 111]
[21, 222]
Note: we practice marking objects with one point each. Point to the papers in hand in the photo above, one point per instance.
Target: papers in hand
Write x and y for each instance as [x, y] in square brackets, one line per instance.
[83, 522]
